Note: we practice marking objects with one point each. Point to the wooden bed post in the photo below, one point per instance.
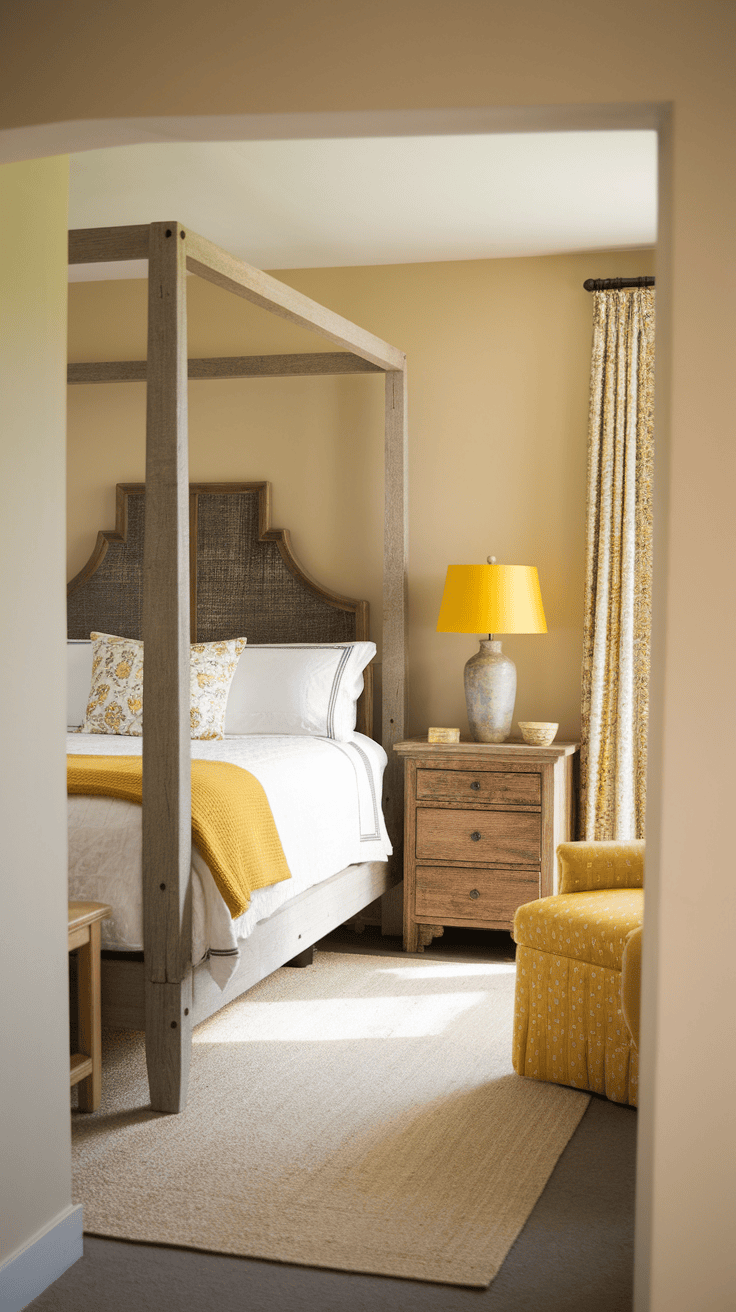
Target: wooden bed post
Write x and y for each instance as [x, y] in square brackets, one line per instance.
[166, 741]
[395, 563]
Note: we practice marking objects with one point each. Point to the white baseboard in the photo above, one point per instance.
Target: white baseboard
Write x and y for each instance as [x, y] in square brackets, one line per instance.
[31, 1269]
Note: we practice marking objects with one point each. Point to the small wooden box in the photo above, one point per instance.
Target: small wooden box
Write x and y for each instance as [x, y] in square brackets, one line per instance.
[443, 735]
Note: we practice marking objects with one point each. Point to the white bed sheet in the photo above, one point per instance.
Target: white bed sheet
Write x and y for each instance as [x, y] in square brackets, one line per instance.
[325, 798]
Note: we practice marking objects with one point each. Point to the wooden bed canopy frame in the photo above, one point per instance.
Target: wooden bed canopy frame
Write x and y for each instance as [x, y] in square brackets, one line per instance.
[173, 250]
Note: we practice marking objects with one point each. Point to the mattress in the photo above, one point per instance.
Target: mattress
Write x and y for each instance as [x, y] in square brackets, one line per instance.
[325, 799]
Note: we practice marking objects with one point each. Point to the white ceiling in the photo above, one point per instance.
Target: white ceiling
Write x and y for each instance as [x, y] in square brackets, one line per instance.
[331, 203]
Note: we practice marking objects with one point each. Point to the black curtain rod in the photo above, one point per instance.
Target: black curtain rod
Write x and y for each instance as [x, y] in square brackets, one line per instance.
[615, 284]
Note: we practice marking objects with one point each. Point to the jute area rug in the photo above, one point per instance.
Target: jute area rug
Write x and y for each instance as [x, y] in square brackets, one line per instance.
[361, 1114]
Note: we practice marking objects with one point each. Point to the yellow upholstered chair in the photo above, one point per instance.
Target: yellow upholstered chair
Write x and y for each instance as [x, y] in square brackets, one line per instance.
[569, 1021]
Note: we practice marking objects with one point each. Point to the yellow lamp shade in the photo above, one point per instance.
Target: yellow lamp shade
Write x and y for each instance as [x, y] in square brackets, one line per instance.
[491, 599]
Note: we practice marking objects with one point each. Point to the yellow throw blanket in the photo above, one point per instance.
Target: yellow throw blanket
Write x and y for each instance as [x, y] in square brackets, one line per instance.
[232, 824]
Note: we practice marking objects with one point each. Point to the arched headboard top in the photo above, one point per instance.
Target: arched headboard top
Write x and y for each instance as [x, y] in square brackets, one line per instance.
[244, 577]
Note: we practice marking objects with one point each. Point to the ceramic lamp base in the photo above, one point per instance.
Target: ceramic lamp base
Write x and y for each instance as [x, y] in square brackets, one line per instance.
[490, 693]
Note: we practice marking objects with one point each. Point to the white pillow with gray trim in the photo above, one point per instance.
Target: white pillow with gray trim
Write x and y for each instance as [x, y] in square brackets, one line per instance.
[298, 688]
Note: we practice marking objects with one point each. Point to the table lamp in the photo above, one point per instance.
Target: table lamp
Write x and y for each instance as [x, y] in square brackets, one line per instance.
[491, 599]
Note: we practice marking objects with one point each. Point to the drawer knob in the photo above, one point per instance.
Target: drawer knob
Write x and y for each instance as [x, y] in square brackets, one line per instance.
[475, 786]
[475, 836]
[474, 893]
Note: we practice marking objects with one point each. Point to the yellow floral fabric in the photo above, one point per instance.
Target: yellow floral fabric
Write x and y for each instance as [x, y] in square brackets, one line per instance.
[116, 692]
[115, 703]
[617, 624]
[569, 1026]
[212, 666]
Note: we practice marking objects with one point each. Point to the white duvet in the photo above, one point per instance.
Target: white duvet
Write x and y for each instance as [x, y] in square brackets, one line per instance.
[325, 798]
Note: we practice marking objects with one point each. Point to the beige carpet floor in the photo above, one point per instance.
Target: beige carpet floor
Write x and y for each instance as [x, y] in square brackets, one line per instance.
[361, 1114]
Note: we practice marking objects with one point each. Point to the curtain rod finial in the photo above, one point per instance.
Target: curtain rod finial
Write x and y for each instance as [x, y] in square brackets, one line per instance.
[491, 560]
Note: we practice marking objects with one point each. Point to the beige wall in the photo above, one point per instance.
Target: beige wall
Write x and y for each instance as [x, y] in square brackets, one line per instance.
[34, 1071]
[570, 64]
[87, 61]
[498, 355]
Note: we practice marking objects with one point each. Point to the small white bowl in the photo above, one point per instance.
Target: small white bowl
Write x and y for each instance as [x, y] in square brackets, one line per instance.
[538, 733]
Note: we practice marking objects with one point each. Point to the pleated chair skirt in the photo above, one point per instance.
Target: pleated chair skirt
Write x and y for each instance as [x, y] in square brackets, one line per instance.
[569, 1027]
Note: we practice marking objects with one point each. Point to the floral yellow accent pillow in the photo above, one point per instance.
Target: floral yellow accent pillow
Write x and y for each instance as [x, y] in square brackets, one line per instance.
[115, 703]
[212, 666]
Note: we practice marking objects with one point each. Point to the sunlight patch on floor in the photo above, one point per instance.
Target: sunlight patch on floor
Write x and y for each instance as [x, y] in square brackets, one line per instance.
[451, 969]
[335, 1019]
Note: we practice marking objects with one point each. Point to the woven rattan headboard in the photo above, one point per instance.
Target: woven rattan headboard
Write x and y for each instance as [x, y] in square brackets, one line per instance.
[244, 578]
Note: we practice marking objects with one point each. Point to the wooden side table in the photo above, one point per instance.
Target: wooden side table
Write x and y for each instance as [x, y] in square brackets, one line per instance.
[482, 824]
[86, 1065]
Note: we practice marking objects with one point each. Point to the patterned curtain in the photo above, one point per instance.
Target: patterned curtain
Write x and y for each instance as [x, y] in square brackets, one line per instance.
[616, 635]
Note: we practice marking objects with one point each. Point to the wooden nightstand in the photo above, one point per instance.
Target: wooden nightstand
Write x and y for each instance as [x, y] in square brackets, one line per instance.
[482, 824]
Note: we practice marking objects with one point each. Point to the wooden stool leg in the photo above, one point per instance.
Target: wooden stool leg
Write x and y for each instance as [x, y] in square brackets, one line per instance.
[90, 1023]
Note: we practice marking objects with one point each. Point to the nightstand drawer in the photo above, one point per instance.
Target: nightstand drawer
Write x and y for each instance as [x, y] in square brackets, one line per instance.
[445, 893]
[508, 789]
[485, 837]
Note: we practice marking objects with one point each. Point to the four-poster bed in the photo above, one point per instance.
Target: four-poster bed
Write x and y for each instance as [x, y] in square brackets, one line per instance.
[170, 613]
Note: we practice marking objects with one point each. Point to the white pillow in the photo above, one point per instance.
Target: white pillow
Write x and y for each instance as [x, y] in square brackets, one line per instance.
[78, 680]
[298, 688]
